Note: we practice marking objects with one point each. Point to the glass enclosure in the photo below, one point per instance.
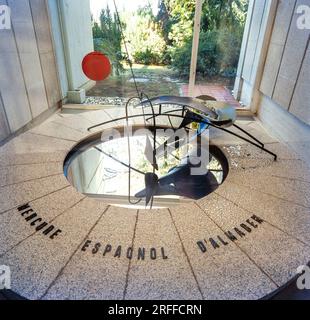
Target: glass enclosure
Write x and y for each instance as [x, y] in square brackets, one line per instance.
[159, 37]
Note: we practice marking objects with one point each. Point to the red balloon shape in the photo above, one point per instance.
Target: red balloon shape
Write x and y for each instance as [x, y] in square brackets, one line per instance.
[96, 66]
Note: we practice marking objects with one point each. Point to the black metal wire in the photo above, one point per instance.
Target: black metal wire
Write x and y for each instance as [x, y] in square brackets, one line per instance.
[201, 121]
[129, 156]
[126, 48]
[164, 113]
[154, 126]
[119, 161]
[248, 134]
[140, 95]
[154, 136]
[128, 143]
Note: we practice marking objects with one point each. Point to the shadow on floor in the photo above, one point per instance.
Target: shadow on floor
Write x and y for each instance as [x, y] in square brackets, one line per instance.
[292, 293]
[289, 293]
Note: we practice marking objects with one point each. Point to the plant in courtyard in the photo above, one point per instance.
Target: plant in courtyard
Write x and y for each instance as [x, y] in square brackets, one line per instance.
[166, 39]
[221, 34]
[108, 39]
[146, 42]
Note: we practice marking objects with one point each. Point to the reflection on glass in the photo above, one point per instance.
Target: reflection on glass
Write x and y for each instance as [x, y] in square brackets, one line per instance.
[102, 171]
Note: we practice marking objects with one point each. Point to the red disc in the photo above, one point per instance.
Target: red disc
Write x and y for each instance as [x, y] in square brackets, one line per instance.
[96, 66]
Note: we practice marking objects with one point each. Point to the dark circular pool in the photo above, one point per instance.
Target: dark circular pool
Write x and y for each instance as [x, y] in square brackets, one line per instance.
[114, 165]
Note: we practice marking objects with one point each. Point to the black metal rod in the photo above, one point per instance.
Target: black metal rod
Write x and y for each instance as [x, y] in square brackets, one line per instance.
[154, 164]
[165, 113]
[129, 156]
[195, 120]
[248, 134]
[247, 140]
[119, 161]
[126, 47]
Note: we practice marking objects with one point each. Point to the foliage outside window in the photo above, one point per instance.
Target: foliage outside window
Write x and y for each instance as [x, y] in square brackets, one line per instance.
[166, 39]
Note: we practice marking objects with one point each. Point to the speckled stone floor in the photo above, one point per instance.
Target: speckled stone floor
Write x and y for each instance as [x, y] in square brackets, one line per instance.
[244, 241]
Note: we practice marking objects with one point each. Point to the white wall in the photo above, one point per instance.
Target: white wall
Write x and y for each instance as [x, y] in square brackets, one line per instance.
[28, 77]
[286, 75]
[251, 50]
[40, 58]
[274, 71]
[77, 38]
[59, 45]
[285, 70]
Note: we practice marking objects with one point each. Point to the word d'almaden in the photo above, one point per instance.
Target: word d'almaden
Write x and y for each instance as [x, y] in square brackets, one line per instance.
[231, 236]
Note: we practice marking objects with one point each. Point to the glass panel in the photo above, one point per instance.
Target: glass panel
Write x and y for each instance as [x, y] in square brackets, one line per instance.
[149, 45]
[159, 36]
[222, 28]
[117, 169]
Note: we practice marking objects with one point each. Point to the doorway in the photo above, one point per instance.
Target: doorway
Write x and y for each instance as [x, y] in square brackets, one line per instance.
[159, 39]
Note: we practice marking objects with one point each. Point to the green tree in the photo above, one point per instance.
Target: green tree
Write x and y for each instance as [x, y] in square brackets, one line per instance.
[181, 20]
[167, 38]
[97, 33]
[224, 14]
[143, 32]
[108, 39]
[222, 28]
[178, 16]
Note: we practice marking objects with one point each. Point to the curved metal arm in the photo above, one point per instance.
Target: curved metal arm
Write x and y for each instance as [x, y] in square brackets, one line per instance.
[204, 122]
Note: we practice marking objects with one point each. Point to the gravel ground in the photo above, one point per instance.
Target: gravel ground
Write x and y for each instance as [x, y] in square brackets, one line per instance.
[113, 101]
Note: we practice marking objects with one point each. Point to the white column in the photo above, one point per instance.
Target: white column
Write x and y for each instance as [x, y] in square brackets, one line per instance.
[197, 23]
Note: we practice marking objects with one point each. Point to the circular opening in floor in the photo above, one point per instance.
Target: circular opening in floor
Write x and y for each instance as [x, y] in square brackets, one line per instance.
[120, 166]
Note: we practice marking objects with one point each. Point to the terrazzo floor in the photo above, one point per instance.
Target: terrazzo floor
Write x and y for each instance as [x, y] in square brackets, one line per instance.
[245, 241]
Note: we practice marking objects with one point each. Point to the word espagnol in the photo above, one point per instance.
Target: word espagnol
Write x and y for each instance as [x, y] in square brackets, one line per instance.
[107, 250]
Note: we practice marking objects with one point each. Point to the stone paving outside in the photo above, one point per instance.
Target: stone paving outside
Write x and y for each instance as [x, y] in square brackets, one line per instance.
[219, 92]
